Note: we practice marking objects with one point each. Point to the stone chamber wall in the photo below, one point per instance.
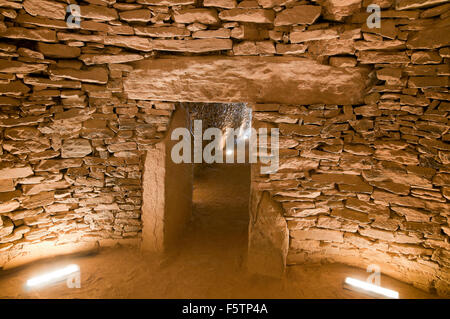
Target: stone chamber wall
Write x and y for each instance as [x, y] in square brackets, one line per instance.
[359, 184]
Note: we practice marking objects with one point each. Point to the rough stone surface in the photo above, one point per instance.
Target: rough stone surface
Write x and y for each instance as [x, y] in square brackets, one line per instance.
[75, 148]
[248, 15]
[15, 172]
[227, 4]
[220, 75]
[304, 36]
[19, 67]
[196, 46]
[205, 16]
[414, 4]
[98, 13]
[92, 75]
[44, 35]
[141, 15]
[268, 237]
[298, 15]
[90, 59]
[429, 38]
[45, 8]
[339, 9]
[58, 50]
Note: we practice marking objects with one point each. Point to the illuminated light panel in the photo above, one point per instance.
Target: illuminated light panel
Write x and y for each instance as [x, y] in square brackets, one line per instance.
[229, 152]
[365, 287]
[54, 276]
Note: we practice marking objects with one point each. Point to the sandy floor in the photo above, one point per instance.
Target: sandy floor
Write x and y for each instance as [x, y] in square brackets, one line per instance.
[209, 263]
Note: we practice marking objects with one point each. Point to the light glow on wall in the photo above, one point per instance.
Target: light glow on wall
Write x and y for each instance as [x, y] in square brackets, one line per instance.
[52, 277]
[362, 286]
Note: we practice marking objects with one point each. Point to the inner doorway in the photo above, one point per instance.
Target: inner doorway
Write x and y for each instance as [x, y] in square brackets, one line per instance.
[205, 203]
[218, 228]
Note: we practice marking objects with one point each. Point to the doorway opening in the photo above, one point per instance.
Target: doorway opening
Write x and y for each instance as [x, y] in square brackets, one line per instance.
[218, 227]
[200, 206]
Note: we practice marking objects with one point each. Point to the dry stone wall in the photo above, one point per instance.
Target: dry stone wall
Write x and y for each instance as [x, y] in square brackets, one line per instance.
[365, 183]
[363, 187]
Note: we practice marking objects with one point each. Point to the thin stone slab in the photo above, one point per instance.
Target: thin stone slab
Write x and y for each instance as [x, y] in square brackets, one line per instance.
[288, 80]
[45, 8]
[44, 35]
[414, 4]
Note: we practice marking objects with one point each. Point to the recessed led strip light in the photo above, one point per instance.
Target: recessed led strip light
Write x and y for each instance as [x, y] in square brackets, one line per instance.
[365, 287]
[52, 277]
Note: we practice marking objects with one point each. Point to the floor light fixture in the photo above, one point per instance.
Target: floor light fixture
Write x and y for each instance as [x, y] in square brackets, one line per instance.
[369, 289]
[53, 276]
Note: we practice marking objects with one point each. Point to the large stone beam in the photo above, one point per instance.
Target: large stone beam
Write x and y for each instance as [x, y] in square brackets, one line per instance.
[289, 80]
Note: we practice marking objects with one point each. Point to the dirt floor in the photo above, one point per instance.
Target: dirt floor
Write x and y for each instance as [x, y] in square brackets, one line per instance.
[209, 262]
